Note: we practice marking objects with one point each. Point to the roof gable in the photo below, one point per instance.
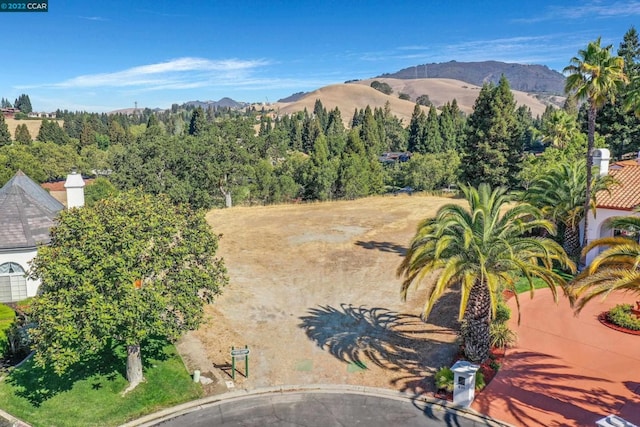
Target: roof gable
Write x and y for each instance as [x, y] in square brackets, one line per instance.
[27, 213]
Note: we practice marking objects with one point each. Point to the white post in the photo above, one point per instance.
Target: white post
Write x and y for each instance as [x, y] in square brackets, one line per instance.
[464, 382]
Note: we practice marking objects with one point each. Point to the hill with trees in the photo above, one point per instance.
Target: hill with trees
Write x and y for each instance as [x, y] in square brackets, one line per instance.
[526, 78]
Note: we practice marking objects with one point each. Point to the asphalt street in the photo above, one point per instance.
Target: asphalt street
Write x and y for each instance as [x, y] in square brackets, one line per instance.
[324, 409]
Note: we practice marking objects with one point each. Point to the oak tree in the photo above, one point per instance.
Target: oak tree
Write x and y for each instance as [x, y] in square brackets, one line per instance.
[127, 269]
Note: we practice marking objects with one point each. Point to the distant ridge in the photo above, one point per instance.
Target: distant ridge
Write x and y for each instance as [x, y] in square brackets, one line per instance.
[223, 103]
[294, 97]
[526, 78]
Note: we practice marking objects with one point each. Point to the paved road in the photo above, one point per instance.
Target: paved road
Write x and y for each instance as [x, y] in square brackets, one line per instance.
[323, 409]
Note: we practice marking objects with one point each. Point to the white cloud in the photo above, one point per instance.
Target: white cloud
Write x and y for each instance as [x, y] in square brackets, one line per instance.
[177, 73]
[593, 9]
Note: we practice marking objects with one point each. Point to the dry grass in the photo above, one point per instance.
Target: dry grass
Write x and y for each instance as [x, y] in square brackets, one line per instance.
[348, 97]
[314, 294]
[33, 125]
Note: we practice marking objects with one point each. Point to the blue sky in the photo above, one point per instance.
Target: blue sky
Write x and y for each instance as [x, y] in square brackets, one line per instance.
[104, 55]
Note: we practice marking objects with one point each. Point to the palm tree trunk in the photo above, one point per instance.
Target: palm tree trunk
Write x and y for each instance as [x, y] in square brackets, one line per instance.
[571, 242]
[591, 131]
[477, 318]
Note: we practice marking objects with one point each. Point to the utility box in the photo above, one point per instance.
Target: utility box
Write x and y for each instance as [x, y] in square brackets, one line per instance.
[614, 421]
[464, 382]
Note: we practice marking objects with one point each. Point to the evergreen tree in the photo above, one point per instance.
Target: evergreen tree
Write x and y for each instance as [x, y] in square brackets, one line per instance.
[22, 134]
[494, 145]
[432, 137]
[50, 131]
[198, 122]
[4, 103]
[417, 125]
[620, 129]
[321, 175]
[23, 103]
[5, 135]
[310, 132]
[321, 114]
[369, 133]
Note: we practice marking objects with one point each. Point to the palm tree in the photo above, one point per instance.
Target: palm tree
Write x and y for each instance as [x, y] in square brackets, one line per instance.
[594, 76]
[559, 128]
[615, 268]
[560, 196]
[482, 248]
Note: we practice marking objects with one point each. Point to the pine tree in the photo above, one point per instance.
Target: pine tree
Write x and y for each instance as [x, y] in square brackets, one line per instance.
[22, 134]
[23, 103]
[198, 122]
[5, 135]
[494, 145]
[417, 125]
[432, 137]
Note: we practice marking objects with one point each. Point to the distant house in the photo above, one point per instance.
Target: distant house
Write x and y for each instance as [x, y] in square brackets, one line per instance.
[621, 200]
[9, 112]
[27, 213]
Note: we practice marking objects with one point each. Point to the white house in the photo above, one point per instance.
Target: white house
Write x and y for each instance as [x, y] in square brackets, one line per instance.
[622, 199]
[27, 213]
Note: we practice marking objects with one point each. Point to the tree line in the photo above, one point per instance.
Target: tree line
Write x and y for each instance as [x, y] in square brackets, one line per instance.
[217, 157]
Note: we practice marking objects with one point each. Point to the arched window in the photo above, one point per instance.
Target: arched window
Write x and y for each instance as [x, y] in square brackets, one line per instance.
[13, 282]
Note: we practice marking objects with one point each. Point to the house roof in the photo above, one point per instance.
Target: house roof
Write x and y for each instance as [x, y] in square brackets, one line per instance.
[626, 194]
[27, 212]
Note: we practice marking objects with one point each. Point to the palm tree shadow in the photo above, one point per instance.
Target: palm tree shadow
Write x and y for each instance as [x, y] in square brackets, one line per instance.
[537, 380]
[396, 342]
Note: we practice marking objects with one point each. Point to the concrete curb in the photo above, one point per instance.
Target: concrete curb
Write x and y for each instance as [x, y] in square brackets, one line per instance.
[195, 405]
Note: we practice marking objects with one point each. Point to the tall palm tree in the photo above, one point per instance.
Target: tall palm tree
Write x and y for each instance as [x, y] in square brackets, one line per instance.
[615, 268]
[594, 76]
[482, 248]
[560, 196]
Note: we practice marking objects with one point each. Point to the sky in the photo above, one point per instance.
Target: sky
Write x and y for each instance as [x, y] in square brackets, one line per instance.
[101, 56]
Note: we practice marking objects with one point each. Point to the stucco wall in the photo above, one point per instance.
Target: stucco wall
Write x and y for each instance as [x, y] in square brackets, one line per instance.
[22, 258]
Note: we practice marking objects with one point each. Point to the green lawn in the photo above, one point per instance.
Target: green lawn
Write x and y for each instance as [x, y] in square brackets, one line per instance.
[90, 394]
[522, 285]
[6, 319]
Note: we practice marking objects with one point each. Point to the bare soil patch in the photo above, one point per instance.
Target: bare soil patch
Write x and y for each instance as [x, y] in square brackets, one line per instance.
[314, 294]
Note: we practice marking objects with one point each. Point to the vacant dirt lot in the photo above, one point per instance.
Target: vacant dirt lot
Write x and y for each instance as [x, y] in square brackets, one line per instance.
[314, 295]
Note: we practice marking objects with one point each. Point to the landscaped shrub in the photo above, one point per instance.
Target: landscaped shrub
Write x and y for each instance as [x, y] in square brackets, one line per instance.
[444, 379]
[503, 313]
[6, 319]
[622, 315]
[501, 336]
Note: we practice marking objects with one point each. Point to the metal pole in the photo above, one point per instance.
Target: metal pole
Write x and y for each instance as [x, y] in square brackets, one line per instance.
[246, 362]
[233, 365]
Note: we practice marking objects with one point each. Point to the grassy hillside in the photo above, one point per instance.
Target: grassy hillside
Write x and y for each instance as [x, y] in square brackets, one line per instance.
[32, 125]
[347, 97]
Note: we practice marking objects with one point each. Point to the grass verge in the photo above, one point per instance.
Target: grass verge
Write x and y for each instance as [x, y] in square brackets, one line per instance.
[90, 394]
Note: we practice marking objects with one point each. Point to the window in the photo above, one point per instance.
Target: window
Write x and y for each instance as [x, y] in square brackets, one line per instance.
[13, 282]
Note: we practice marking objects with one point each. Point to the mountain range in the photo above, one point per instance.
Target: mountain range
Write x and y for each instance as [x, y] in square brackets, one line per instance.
[535, 86]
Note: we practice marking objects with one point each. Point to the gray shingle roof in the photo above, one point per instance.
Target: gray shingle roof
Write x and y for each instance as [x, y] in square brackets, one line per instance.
[27, 212]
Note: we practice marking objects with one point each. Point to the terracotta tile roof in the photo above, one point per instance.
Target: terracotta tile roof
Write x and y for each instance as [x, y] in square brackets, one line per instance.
[626, 194]
[53, 186]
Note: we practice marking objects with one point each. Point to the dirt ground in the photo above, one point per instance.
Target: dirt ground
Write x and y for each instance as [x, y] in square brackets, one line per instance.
[314, 295]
